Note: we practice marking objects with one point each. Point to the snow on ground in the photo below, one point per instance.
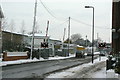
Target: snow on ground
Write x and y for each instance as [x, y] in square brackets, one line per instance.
[74, 70]
[96, 53]
[105, 74]
[4, 63]
[98, 74]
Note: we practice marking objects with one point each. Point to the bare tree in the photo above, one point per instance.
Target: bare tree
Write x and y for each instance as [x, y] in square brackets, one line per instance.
[75, 37]
[12, 25]
[4, 25]
[23, 27]
[66, 41]
[37, 30]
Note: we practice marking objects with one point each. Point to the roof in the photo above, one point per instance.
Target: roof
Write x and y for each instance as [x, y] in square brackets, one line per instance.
[16, 33]
[38, 35]
[1, 13]
[55, 40]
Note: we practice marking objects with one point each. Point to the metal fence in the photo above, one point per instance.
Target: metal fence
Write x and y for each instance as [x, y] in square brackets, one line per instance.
[48, 52]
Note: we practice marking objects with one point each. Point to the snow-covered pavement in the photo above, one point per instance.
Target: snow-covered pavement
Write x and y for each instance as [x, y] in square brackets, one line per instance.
[5, 63]
[105, 74]
[97, 70]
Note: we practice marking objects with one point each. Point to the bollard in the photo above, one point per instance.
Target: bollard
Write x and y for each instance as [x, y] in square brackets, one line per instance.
[4, 55]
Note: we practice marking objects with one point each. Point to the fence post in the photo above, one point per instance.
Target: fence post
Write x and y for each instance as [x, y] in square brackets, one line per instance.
[4, 55]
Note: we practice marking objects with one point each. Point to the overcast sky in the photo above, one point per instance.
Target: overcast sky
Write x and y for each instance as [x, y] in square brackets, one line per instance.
[81, 17]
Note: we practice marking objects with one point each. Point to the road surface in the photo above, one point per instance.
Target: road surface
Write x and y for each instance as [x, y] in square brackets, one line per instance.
[40, 69]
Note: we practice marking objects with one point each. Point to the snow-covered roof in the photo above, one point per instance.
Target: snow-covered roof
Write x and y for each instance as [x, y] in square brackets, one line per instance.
[15, 32]
[55, 40]
[37, 34]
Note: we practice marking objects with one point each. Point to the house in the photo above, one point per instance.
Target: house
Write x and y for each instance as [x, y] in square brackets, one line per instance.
[55, 45]
[38, 39]
[1, 17]
[16, 41]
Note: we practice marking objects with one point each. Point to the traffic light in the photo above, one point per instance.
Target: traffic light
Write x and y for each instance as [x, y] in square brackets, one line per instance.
[102, 44]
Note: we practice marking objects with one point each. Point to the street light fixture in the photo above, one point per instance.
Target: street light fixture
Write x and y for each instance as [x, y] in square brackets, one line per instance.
[89, 7]
[92, 32]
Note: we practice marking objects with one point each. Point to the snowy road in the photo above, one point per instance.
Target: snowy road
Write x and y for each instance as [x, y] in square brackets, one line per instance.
[40, 68]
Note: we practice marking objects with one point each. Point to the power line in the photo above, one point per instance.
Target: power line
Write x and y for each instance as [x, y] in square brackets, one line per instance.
[88, 24]
[66, 21]
[48, 10]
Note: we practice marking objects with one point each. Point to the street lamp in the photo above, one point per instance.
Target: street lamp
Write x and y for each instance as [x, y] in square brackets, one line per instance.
[92, 32]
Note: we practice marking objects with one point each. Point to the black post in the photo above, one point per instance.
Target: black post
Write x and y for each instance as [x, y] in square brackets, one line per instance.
[92, 32]
[68, 35]
[93, 37]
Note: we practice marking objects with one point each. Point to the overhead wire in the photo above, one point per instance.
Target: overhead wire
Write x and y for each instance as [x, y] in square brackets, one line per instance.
[100, 27]
[61, 23]
[48, 10]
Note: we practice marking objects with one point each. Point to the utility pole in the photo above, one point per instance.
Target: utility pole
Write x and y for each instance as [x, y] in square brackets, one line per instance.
[64, 34]
[47, 28]
[33, 32]
[68, 35]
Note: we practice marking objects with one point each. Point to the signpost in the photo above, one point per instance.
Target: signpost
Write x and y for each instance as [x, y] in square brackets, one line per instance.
[101, 46]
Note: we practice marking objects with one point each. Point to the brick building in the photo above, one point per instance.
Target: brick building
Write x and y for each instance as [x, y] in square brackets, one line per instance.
[116, 26]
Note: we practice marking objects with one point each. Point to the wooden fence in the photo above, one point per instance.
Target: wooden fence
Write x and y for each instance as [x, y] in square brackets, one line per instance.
[10, 56]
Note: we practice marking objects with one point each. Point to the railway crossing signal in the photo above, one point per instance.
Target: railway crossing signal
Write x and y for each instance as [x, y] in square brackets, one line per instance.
[102, 45]
[44, 45]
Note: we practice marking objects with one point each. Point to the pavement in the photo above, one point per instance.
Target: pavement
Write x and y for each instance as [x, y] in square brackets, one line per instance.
[88, 71]
[25, 61]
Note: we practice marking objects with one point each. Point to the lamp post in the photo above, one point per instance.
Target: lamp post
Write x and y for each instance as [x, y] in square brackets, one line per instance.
[92, 32]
